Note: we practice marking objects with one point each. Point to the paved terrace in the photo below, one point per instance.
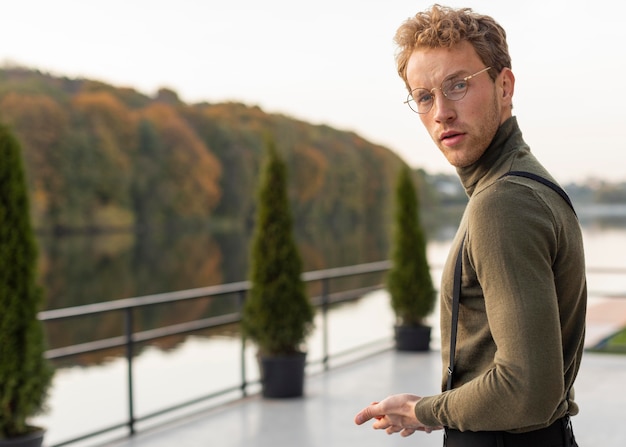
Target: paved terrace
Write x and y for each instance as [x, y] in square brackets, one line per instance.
[324, 417]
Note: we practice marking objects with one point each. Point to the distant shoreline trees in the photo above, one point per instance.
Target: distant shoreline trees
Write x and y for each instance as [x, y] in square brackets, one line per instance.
[102, 158]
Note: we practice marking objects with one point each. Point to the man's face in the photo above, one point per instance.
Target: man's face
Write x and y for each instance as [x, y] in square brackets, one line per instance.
[461, 129]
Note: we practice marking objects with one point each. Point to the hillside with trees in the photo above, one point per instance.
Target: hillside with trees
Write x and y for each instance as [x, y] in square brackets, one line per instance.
[101, 158]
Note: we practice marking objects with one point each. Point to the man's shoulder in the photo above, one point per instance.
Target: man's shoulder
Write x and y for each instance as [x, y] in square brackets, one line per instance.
[509, 195]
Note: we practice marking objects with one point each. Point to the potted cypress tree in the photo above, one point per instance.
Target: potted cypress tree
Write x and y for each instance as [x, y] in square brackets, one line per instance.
[25, 375]
[277, 313]
[408, 281]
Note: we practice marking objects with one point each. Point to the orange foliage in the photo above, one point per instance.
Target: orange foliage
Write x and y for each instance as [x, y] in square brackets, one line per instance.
[40, 124]
[193, 167]
[37, 119]
[111, 122]
[310, 169]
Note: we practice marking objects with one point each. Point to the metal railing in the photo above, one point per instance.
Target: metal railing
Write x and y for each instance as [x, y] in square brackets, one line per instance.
[130, 339]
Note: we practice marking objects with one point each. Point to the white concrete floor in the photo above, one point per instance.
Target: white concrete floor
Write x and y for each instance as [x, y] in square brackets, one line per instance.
[324, 417]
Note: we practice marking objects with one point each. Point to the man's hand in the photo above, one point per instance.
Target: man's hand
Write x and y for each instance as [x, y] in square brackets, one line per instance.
[395, 414]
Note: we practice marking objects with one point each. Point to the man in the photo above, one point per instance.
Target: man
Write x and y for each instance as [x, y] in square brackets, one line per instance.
[521, 316]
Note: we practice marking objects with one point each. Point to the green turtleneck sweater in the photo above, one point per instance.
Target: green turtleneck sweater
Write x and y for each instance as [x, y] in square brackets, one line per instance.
[523, 299]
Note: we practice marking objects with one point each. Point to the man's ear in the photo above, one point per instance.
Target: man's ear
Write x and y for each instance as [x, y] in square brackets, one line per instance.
[506, 87]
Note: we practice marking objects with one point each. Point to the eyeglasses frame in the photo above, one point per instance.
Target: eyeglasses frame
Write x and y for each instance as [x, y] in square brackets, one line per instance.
[466, 78]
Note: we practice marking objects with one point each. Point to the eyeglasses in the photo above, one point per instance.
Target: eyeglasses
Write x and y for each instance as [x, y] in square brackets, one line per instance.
[421, 100]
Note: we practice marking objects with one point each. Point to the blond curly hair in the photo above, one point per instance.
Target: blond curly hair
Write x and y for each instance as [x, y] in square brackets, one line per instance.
[444, 27]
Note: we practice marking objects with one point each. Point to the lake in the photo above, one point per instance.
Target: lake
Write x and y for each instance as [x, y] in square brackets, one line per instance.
[91, 392]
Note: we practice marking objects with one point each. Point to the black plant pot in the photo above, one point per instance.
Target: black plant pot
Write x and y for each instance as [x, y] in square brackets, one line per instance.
[282, 376]
[32, 439]
[412, 338]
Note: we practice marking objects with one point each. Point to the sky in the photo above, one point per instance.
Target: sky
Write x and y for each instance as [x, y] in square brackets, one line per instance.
[332, 62]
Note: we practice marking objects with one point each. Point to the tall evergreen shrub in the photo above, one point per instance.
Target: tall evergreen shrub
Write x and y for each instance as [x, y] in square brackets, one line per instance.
[277, 314]
[24, 374]
[409, 282]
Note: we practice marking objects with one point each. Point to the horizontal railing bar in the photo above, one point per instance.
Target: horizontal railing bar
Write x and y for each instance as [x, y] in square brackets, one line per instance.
[126, 303]
[340, 272]
[182, 328]
[84, 348]
[143, 336]
[191, 326]
[347, 295]
[169, 297]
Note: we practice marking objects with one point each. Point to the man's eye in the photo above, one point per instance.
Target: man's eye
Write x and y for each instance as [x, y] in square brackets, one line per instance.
[423, 98]
[458, 86]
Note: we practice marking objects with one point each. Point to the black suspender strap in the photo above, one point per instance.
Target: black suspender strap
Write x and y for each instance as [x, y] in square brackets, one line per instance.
[458, 269]
[456, 297]
[546, 182]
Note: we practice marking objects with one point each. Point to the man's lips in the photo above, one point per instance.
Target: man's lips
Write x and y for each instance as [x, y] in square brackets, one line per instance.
[451, 137]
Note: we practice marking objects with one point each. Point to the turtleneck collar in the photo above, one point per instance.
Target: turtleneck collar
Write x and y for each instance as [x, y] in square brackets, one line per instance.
[508, 137]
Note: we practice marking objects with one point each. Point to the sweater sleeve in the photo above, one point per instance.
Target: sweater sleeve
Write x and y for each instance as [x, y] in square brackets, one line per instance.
[511, 247]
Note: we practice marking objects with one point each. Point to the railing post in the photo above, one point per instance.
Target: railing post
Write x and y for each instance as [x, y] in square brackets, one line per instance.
[129, 359]
[244, 382]
[325, 295]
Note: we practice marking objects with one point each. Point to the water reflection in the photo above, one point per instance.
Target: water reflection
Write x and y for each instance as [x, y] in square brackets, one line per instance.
[84, 269]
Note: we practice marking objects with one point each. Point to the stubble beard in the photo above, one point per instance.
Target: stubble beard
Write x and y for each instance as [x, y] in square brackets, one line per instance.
[479, 139]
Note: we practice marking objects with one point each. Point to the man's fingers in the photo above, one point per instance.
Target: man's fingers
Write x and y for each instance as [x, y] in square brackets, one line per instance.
[394, 429]
[407, 432]
[363, 416]
[367, 413]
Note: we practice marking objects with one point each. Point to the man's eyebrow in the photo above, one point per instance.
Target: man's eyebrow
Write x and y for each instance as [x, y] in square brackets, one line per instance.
[456, 74]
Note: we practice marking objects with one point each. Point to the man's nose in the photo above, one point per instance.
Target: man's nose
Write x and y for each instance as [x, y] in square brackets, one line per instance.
[443, 108]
